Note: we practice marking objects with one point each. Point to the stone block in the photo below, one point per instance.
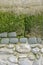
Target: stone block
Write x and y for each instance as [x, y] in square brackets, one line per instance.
[5, 40]
[12, 34]
[23, 40]
[4, 34]
[13, 40]
[32, 40]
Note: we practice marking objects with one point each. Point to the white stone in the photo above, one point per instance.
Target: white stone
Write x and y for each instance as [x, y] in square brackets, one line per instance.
[41, 50]
[25, 61]
[13, 59]
[10, 46]
[23, 48]
[31, 57]
[12, 64]
[35, 62]
[22, 55]
[42, 61]
[2, 62]
[5, 50]
[35, 50]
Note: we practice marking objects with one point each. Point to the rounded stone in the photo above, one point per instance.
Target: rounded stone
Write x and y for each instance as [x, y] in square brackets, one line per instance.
[42, 61]
[12, 64]
[41, 50]
[23, 48]
[35, 62]
[5, 50]
[10, 46]
[25, 61]
[22, 55]
[31, 57]
[2, 62]
[13, 59]
[35, 50]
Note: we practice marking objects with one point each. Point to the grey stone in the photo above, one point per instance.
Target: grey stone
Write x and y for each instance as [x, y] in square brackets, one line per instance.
[39, 40]
[31, 57]
[35, 62]
[42, 61]
[5, 40]
[23, 40]
[4, 34]
[2, 62]
[12, 64]
[32, 40]
[10, 46]
[25, 61]
[13, 59]
[23, 48]
[41, 50]
[13, 40]
[35, 50]
[12, 34]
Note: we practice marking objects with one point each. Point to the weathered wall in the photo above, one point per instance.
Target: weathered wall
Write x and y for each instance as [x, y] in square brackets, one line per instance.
[22, 6]
[24, 52]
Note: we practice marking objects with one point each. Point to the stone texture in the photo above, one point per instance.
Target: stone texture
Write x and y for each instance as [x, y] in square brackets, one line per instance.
[31, 57]
[35, 50]
[2, 62]
[13, 40]
[13, 59]
[32, 40]
[5, 40]
[6, 51]
[10, 46]
[35, 62]
[12, 34]
[39, 40]
[25, 61]
[22, 55]
[23, 40]
[23, 48]
[41, 50]
[4, 34]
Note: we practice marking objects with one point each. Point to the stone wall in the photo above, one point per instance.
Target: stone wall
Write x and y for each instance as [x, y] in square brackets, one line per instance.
[20, 51]
[22, 6]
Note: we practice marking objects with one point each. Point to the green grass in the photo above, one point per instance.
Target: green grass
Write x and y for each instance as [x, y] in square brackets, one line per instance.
[22, 24]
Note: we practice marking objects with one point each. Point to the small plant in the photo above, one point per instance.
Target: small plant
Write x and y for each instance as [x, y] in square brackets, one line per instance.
[22, 24]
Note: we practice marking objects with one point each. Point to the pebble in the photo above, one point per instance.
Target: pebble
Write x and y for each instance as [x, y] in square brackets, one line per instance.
[13, 59]
[22, 55]
[31, 57]
[10, 46]
[5, 50]
[25, 61]
[41, 50]
[35, 62]
[23, 48]
[35, 50]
